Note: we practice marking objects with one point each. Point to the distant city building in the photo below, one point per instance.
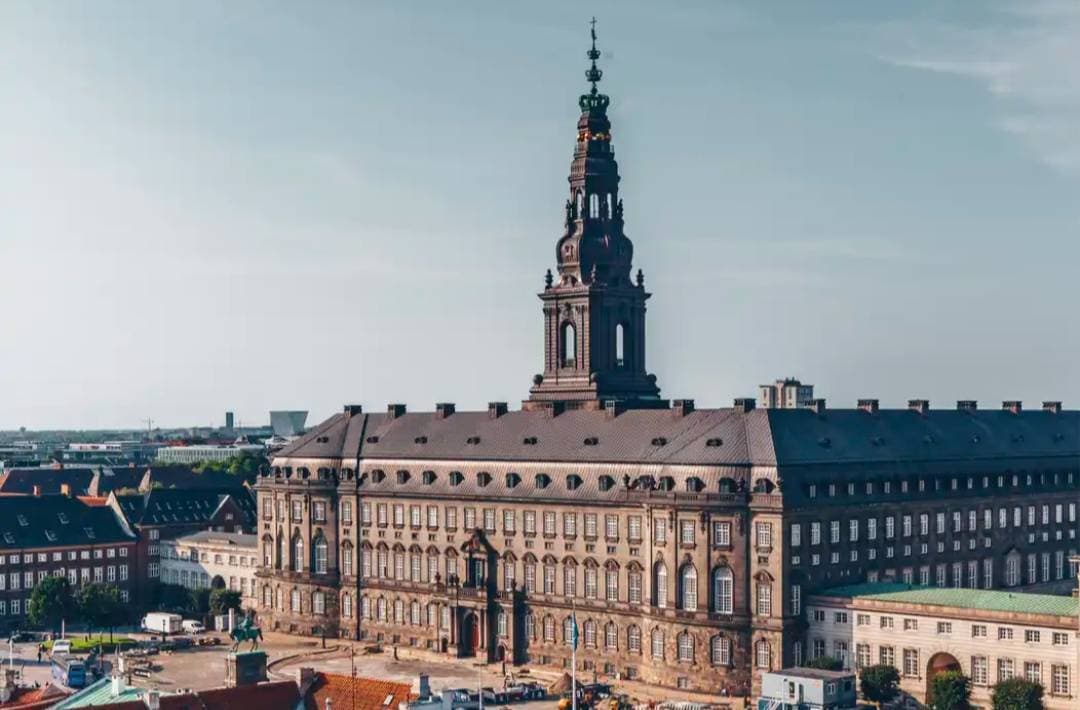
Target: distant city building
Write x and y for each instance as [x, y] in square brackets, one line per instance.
[212, 560]
[990, 636]
[288, 423]
[786, 394]
[109, 452]
[198, 453]
[228, 420]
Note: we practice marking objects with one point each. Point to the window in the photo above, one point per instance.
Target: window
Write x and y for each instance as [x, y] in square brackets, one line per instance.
[1005, 669]
[1059, 679]
[634, 528]
[815, 533]
[688, 583]
[570, 524]
[911, 624]
[611, 527]
[569, 580]
[980, 674]
[660, 531]
[320, 555]
[764, 598]
[611, 585]
[294, 600]
[1033, 671]
[887, 656]
[549, 523]
[796, 601]
[1060, 639]
[911, 662]
[862, 655]
[509, 521]
[886, 622]
[633, 580]
[686, 647]
[633, 638]
[1031, 636]
[590, 583]
[763, 654]
[660, 585]
[1005, 633]
[853, 530]
[796, 535]
[720, 650]
[764, 535]
[944, 628]
[318, 603]
[569, 345]
[686, 532]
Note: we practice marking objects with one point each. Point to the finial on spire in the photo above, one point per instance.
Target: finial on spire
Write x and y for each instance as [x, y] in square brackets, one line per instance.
[594, 99]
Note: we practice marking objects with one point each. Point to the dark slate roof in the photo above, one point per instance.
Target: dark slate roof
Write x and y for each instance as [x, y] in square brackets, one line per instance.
[23, 479]
[184, 476]
[179, 506]
[40, 522]
[783, 437]
[106, 479]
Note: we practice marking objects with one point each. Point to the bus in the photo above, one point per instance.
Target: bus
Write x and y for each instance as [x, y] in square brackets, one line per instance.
[69, 671]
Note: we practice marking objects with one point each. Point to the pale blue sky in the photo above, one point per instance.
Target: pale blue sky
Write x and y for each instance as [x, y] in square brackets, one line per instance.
[254, 205]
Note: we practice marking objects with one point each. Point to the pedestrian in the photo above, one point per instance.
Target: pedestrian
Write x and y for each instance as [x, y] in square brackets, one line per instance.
[39, 654]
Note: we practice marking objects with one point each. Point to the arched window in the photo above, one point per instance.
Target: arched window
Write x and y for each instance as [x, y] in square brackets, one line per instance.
[762, 654]
[611, 636]
[280, 602]
[568, 630]
[660, 585]
[658, 644]
[633, 638]
[723, 588]
[594, 205]
[578, 203]
[268, 551]
[347, 558]
[609, 203]
[321, 555]
[530, 626]
[686, 647]
[720, 650]
[318, 603]
[590, 633]
[620, 345]
[294, 600]
[764, 597]
[688, 591]
[380, 609]
[298, 554]
[279, 550]
[549, 629]
[569, 345]
[346, 605]
[399, 612]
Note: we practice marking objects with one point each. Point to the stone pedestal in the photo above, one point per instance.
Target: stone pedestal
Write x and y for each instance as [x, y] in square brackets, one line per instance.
[245, 668]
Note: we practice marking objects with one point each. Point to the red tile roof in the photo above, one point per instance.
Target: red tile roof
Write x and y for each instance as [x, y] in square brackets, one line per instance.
[35, 698]
[267, 696]
[355, 693]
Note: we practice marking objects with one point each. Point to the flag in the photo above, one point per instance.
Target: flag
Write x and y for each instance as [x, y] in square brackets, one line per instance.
[574, 632]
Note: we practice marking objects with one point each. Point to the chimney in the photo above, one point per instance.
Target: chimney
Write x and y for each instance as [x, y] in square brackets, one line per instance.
[967, 405]
[817, 406]
[1052, 407]
[682, 407]
[444, 409]
[870, 406]
[65, 489]
[922, 406]
[1012, 405]
[351, 410]
[393, 411]
[37, 491]
[745, 404]
[496, 409]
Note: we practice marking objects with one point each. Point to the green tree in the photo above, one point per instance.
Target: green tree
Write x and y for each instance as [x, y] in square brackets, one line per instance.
[245, 466]
[199, 601]
[826, 663]
[950, 690]
[51, 602]
[100, 606]
[880, 683]
[221, 600]
[1017, 694]
[170, 597]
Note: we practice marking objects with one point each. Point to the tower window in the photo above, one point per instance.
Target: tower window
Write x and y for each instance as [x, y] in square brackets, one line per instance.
[620, 351]
[594, 206]
[569, 345]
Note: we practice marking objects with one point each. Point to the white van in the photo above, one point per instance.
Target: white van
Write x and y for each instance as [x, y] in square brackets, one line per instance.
[61, 646]
[191, 626]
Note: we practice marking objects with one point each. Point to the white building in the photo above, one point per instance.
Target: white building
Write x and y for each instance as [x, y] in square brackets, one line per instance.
[212, 560]
[922, 631]
[786, 394]
[205, 452]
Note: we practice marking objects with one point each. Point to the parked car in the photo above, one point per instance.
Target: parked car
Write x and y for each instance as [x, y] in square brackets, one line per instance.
[191, 626]
[61, 646]
[524, 691]
[21, 636]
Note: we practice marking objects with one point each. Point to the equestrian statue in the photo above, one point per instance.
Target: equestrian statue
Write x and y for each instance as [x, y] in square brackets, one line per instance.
[245, 630]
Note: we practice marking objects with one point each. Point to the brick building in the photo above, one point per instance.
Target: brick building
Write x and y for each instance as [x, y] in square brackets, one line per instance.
[684, 540]
[57, 535]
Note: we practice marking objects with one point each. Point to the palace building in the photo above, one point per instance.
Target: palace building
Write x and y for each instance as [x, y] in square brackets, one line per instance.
[683, 540]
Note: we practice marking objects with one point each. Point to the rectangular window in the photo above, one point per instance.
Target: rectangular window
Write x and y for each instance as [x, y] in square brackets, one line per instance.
[853, 530]
[1059, 680]
[634, 528]
[590, 526]
[569, 524]
[509, 521]
[815, 533]
[911, 662]
[549, 523]
[764, 535]
[686, 532]
[470, 518]
[796, 535]
[871, 528]
[530, 522]
[834, 531]
[889, 531]
[1005, 669]
[451, 518]
[611, 527]
[660, 531]
[381, 517]
[887, 656]
[980, 674]
[365, 513]
[346, 512]
[399, 515]
[433, 516]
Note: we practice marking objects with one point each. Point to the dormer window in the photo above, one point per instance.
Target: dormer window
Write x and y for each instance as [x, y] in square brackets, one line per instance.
[659, 441]
[9, 538]
[428, 477]
[378, 476]
[483, 479]
[473, 440]
[420, 440]
[512, 480]
[50, 535]
[694, 485]
[89, 532]
[402, 477]
[606, 483]
[714, 442]
[456, 478]
[372, 439]
[666, 483]
[591, 441]
[529, 441]
[543, 480]
[63, 518]
[573, 482]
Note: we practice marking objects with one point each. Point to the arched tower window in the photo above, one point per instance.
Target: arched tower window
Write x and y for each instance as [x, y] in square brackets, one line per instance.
[298, 554]
[723, 590]
[594, 205]
[620, 345]
[688, 588]
[578, 202]
[569, 345]
[660, 585]
[609, 203]
[321, 555]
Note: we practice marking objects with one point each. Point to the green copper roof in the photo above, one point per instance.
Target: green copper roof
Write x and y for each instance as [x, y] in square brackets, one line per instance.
[99, 693]
[985, 599]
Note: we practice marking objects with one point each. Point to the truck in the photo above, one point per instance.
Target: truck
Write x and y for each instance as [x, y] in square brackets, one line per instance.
[161, 622]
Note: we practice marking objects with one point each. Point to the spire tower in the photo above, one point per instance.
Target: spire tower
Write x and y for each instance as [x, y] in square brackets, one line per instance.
[594, 314]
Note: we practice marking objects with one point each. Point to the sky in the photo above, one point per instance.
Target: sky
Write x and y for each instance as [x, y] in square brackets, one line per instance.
[247, 206]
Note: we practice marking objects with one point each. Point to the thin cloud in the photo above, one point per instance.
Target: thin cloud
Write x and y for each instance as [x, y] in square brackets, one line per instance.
[1027, 60]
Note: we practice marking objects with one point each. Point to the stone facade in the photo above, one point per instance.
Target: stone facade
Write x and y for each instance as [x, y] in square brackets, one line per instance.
[212, 560]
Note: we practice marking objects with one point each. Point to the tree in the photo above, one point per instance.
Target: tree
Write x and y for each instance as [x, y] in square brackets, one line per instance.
[221, 600]
[171, 597]
[880, 683]
[826, 663]
[100, 606]
[51, 602]
[199, 600]
[950, 690]
[1017, 694]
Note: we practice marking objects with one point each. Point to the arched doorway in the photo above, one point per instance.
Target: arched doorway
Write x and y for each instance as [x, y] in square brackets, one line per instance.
[218, 582]
[469, 635]
[939, 663]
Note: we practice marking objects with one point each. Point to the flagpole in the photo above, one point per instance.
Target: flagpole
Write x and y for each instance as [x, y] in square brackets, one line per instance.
[573, 656]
